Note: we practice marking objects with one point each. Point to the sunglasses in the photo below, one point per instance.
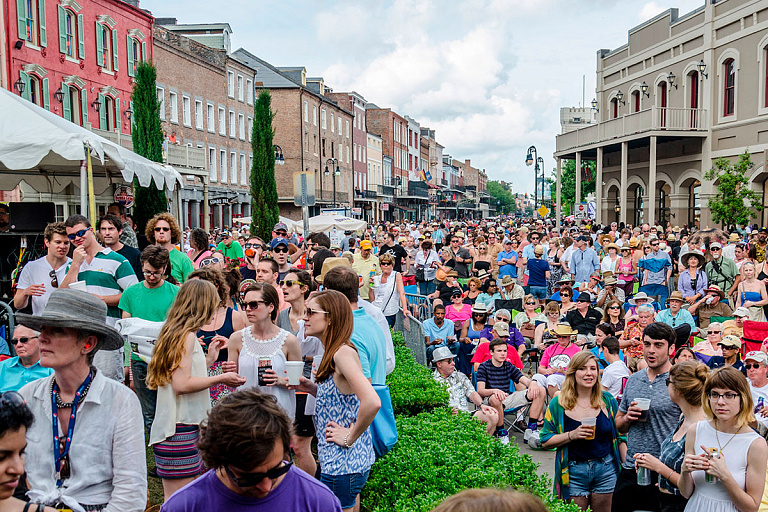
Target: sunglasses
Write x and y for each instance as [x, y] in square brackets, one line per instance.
[23, 340]
[714, 332]
[615, 307]
[726, 347]
[252, 479]
[713, 249]
[282, 233]
[279, 249]
[254, 304]
[311, 312]
[159, 228]
[289, 282]
[530, 303]
[755, 366]
[78, 234]
[669, 381]
[209, 261]
[252, 246]
[54, 278]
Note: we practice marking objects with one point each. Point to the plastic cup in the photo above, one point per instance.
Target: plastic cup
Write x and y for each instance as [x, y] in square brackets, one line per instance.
[590, 422]
[78, 285]
[644, 404]
[294, 369]
[643, 476]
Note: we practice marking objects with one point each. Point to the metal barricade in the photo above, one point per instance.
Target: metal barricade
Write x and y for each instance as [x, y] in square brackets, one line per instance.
[420, 306]
[414, 337]
[8, 320]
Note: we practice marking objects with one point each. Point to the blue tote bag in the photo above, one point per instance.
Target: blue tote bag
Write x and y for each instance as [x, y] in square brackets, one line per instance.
[383, 428]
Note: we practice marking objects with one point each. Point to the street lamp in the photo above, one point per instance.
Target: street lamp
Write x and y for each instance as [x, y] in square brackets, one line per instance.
[620, 98]
[337, 172]
[644, 88]
[703, 68]
[19, 86]
[671, 79]
[529, 160]
[279, 158]
[595, 105]
[59, 95]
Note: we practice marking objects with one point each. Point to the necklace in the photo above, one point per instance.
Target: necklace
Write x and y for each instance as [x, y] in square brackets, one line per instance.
[60, 404]
[722, 447]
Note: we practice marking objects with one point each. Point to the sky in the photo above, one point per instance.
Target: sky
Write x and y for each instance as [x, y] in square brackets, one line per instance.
[488, 75]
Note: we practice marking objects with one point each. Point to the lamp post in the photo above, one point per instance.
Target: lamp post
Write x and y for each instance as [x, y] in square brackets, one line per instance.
[540, 165]
[337, 172]
[279, 158]
[529, 160]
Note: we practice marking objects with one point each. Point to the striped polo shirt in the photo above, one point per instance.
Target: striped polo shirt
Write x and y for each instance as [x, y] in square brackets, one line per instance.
[108, 273]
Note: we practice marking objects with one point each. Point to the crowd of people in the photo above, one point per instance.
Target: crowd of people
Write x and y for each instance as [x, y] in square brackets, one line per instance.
[623, 349]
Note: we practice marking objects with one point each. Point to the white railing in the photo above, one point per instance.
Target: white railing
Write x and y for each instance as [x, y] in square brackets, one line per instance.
[185, 156]
[651, 119]
[123, 139]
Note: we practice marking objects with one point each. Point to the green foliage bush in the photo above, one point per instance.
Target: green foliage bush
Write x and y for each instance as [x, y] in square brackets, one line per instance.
[412, 387]
[439, 454]
[398, 339]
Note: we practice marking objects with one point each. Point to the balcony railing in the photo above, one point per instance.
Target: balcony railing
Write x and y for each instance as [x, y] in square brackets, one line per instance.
[385, 190]
[651, 119]
[123, 139]
[444, 182]
[370, 194]
[326, 196]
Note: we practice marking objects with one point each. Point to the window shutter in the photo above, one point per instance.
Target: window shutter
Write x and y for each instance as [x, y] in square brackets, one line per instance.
[99, 45]
[80, 37]
[43, 36]
[133, 117]
[66, 107]
[131, 56]
[46, 97]
[62, 29]
[84, 104]
[118, 120]
[144, 52]
[102, 113]
[114, 49]
[25, 80]
[21, 15]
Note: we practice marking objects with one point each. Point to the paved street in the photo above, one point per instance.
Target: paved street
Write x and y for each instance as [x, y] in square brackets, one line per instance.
[544, 458]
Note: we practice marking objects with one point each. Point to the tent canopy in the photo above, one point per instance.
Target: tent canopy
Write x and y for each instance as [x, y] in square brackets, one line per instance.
[324, 222]
[288, 222]
[46, 151]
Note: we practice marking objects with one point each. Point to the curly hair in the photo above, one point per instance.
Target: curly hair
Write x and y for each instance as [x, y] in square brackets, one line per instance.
[198, 239]
[215, 276]
[171, 220]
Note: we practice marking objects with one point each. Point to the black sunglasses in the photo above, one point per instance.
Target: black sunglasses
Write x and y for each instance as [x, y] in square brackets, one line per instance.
[254, 304]
[279, 249]
[54, 278]
[755, 366]
[252, 479]
[159, 228]
[78, 234]
[23, 340]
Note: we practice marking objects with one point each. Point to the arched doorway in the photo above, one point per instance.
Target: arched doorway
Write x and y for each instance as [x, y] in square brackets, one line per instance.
[694, 203]
[639, 205]
[663, 204]
[612, 205]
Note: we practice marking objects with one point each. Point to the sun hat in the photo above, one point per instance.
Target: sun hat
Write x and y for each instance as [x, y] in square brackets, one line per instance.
[612, 245]
[716, 289]
[330, 263]
[698, 254]
[610, 280]
[757, 355]
[365, 245]
[75, 309]
[676, 295]
[671, 238]
[626, 247]
[641, 296]
[634, 242]
[501, 328]
[507, 280]
[441, 354]
[565, 279]
[482, 274]
[538, 250]
[564, 329]
[481, 308]
[731, 341]
[452, 273]
[734, 237]
[741, 312]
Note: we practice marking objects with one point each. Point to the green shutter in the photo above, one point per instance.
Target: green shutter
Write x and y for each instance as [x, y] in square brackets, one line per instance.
[46, 97]
[131, 56]
[144, 52]
[133, 117]
[62, 29]
[102, 113]
[84, 104]
[25, 80]
[80, 37]
[43, 36]
[114, 49]
[118, 121]
[66, 106]
[21, 14]
[99, 45]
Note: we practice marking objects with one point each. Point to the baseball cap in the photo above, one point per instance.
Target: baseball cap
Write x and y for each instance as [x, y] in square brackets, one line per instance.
[278, 241]
[731, 341]
[365, 245]
[756, 355]
[741, 312]
[501, 328]
[715, 245]
[280, 226]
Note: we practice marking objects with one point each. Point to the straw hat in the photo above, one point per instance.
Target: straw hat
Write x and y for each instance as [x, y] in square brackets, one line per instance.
[330, 263]
[634, 242]
[639, 296]
[507, 280]
[676, 295]
[564, 329]
[697, 254]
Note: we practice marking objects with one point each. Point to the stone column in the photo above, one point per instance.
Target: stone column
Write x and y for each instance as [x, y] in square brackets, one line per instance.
[558, 194]
[650, 218]
[599, 188]
[623, 191]
[678, 208]
[578, 177]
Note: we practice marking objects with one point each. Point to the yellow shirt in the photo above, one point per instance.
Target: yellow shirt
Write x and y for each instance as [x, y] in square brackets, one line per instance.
[363, 267]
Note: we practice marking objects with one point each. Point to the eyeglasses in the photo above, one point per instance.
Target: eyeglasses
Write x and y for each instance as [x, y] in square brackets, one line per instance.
[713, 249]
[565, 294]
[164, 228]
[714, 332]
[755, 366]
[254, 304]
[311, 312]
[156, 273]
[253, 479]
[209, 261]
[281, 233]
[12, 398]
[729, 397]
[289, 282]
[280, 249]
[669, 381]
[23, 340]
[530, 303]
[54, 278]
[78, 234]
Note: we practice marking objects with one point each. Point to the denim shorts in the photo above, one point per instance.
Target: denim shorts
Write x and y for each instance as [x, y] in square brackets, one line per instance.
[346, 487]
[596, 476]
[539, 292]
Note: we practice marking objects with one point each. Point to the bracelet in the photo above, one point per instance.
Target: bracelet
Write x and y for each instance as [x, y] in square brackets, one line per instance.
[346, 438]
[569, 435]
[671, 472]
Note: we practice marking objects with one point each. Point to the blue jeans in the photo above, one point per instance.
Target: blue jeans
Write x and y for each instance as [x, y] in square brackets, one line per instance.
[427, 287]
[147, 397]
[596, 476]
[539, 292]
[345, 487]
[454, 348]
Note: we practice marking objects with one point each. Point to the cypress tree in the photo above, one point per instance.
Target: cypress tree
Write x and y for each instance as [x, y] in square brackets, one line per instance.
[264, 209]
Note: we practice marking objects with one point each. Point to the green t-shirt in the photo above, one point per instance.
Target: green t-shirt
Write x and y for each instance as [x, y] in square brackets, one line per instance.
[235, 250]
[181, 265]
[148, 303]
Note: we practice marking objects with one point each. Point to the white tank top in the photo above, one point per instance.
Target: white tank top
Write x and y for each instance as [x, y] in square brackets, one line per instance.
[248, 366]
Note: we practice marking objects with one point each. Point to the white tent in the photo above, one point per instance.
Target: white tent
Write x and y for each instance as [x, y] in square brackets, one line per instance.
[48, 153]
[324, 222]
[292, 224]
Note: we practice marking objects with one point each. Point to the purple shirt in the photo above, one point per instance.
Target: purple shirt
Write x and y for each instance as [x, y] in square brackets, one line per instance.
[297, 491]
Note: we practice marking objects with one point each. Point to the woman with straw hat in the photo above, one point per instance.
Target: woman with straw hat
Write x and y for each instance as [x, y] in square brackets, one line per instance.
[611, 257]
[555, 359]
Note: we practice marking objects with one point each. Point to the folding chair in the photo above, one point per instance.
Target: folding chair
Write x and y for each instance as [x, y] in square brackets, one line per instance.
[513, 417]
[754, 334]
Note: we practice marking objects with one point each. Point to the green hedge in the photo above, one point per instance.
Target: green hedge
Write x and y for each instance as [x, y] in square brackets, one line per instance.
[398, 340]
[412, 387]
[438, 455]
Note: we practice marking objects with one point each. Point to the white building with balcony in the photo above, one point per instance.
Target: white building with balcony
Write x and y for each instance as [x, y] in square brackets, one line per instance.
[682, 92]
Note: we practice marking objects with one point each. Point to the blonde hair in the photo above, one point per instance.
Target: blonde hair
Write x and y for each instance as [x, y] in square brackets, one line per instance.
[193, 307]
[568, 394]
[728, 377]
[689, 378]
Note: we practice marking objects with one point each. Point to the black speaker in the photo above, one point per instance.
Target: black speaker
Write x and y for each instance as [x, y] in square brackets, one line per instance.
[31, 217]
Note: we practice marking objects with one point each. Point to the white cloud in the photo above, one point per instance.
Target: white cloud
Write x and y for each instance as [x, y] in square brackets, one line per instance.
[650, 10]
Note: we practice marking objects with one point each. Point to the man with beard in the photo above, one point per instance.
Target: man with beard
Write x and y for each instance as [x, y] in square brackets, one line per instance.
[110, 231]
[761, 244]
[40, 277]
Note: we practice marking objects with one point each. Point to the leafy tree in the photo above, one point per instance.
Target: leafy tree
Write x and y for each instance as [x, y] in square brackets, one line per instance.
[264, 209]
[734, 203]
[500, 191]
[147, 137]
[568, 183]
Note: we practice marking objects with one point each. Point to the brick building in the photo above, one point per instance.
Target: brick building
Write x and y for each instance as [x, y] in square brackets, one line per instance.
[393, 130]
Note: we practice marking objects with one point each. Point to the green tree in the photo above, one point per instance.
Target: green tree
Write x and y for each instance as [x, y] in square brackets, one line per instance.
[568, 183]
[500, 191]
[734, 202]
[264, 209]
[147, 137]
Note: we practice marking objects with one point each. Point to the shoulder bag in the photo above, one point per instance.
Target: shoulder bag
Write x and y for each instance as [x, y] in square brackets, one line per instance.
[383, 427]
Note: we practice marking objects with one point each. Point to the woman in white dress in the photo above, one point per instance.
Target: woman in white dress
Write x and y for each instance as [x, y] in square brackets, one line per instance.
[734, 480]
[265, 344]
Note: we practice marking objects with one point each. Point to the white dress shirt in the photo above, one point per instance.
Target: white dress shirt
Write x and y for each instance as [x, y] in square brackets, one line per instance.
[107, 460]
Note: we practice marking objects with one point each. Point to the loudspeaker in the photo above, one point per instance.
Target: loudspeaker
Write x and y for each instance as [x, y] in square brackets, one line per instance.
[31, 217]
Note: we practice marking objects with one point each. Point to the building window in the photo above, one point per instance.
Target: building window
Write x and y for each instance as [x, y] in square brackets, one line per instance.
[231, 84]
[636, 101]
[68, 20]
[314, 115]
[136, 51]
[106, 46]
[333, 124]
[354, 151]
[249, 129]
[339, 126]
[729, 87]
[198, 114]
[240, 91]
[109, 116]
[161, 101]
[614, 108]
[31, 21]
[232, 124]
[243, 170]
[233, 167]
[211, 118]
[306, 112]
[174, 107]
[347, 126]
[249, 91]
[35, 89]
[241, 125]
[765, 76]
[323, 122]
[223, 160]
[186, 114]
[212, 163]
[222, 121]
[73, 102]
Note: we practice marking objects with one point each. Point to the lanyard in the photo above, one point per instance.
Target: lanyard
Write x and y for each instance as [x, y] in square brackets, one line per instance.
[58, 454]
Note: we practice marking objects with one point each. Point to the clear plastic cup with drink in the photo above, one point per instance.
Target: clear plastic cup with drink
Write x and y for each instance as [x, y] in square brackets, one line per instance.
[644, 404]
[592, 423]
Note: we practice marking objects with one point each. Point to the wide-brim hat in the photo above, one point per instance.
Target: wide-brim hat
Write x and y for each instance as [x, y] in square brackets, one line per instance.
[612, 245]
[698, 254]
[441, 354]
[640, 295]
[75, 309]
[564, 329]
[507, 280]
[565, 279]
[734, 237]
[716, 289]
[482, 274]
[633, 242]
[330, 263]
[676, 295]
[610, 280]
[481, 308]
